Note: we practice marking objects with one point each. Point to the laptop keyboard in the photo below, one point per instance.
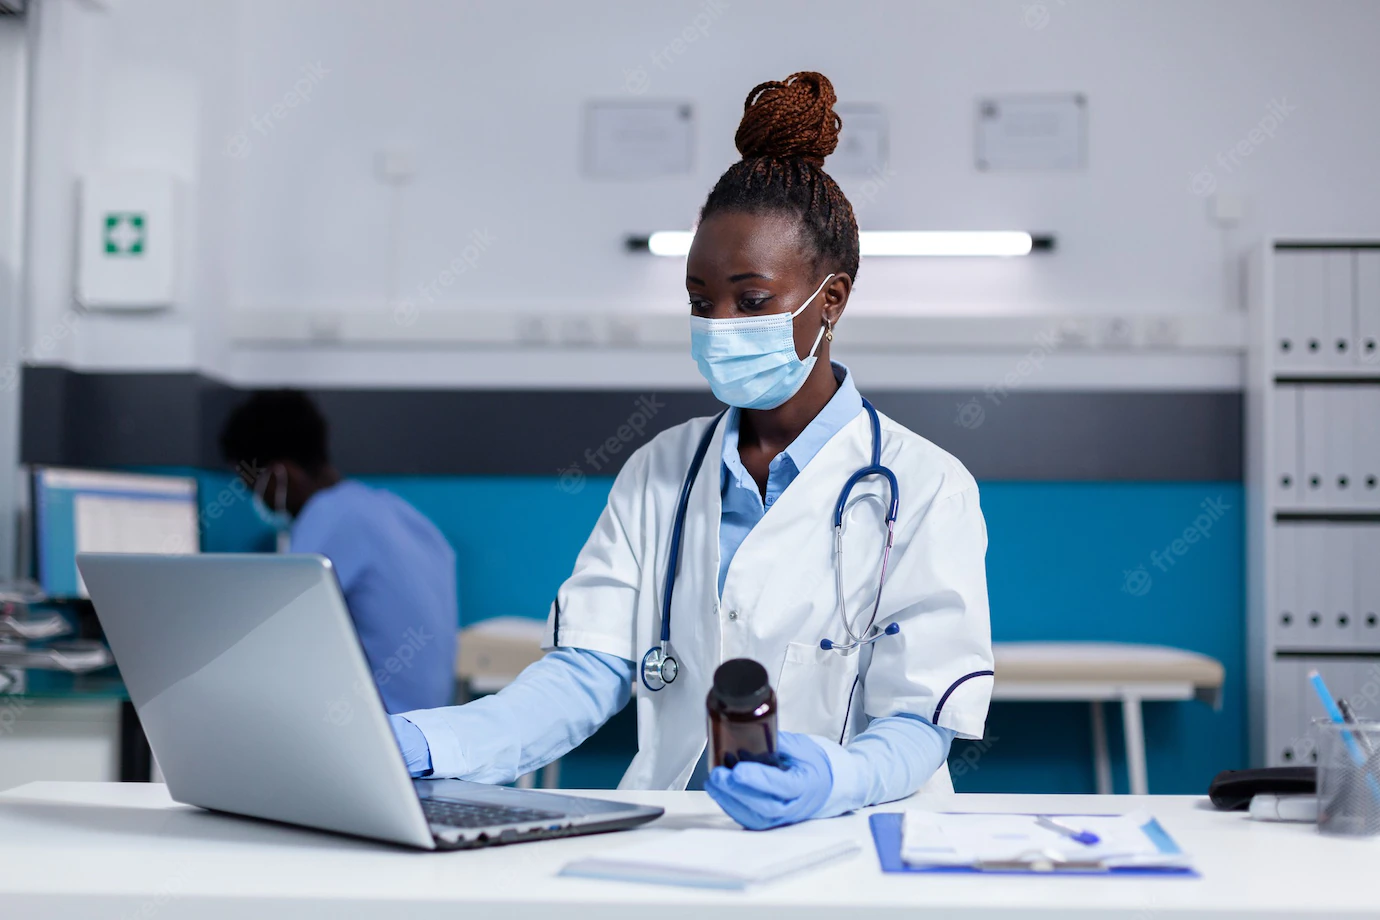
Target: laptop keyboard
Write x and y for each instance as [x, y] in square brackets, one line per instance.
[455, 813]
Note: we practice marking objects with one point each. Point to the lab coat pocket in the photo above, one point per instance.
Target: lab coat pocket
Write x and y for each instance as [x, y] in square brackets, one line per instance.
[814, 690]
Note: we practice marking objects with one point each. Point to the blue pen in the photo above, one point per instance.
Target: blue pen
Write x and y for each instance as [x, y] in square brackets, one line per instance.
[1085, 837]
[1334, 713]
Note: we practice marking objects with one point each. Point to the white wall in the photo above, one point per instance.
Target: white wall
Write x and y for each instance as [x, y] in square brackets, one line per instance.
[288, 216]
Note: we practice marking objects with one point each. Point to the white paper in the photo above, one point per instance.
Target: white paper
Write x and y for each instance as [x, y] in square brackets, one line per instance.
[934, 839]
[706, 858]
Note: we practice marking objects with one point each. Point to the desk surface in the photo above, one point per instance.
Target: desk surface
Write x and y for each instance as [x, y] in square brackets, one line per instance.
[88, 849]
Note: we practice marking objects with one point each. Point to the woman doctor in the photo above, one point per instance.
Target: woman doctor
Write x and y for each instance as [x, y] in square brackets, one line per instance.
[769, 274]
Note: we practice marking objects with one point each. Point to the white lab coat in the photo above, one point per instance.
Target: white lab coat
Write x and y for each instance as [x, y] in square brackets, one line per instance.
[779, 594]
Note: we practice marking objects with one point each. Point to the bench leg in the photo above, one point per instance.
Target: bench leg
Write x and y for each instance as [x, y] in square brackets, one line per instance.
[1102, 758]
[1135, 746]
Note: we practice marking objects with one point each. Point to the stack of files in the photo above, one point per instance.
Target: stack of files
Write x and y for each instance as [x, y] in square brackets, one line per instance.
[703, 858]
[924, 841]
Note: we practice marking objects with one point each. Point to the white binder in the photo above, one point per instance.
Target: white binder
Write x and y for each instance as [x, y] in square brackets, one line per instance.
[1286, 343]
[1367, 423]
[1287, 625]
[1285, 413]
[1313, 597]
[1310, 306]
[1313, 422]
[1339, 566]
[1367, 629]
[1339, 456]
[1368, 307]
[1285, 717]
[1339, 345]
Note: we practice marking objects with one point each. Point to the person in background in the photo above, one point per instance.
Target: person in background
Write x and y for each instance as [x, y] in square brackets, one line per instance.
[395, 568]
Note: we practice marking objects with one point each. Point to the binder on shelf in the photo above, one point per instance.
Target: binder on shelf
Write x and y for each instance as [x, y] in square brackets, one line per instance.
[1283, 718]
[1339, 547]
[1286, 341]
[1313, 422]
[1368, 308]
[1339, 486]
[1287, 625]
[1312, 546]
[1285, 409]
[1366, 406]
[1339, 345]
[1367, 626]
[1310, 306]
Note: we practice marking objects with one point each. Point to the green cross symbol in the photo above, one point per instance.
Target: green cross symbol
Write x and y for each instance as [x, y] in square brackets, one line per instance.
[124, 233]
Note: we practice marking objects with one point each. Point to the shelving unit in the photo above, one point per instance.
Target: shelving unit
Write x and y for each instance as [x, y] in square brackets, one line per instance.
[1313, 484]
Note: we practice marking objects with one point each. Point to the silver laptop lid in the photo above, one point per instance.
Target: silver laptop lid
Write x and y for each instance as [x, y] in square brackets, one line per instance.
[254, 691]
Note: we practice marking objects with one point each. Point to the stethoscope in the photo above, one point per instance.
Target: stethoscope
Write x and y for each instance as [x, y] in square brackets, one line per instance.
[659, 666]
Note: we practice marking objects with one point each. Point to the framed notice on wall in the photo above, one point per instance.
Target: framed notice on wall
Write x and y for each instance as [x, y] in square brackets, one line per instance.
[1047, 132]
[638, 140]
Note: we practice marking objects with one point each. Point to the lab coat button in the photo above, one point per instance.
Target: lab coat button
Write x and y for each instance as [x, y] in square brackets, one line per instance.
[733, 614]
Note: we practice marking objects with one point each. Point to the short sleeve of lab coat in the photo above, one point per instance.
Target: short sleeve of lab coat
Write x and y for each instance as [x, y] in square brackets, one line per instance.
[940, 664]
[596, 607]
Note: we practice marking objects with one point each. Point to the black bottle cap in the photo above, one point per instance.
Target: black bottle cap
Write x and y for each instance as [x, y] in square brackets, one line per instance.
[741, 684]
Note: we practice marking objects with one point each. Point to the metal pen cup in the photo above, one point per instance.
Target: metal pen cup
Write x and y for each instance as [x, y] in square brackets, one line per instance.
[1348, 778]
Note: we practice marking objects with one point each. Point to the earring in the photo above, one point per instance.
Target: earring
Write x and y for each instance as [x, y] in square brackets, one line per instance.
[828, 331]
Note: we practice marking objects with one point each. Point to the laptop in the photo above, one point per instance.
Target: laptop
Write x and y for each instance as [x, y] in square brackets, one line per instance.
[257, 700]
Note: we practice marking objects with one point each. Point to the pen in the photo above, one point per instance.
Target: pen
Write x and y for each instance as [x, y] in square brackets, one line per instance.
[1358, 756]
[1085, 837]
[1350, 715]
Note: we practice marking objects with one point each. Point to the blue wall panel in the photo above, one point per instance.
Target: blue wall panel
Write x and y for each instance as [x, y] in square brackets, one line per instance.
[1066, 561]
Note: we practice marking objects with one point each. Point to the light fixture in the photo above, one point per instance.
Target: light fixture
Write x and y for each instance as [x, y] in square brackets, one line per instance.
[887, 242]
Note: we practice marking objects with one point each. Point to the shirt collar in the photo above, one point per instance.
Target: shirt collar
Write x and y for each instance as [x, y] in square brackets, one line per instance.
[841, 409]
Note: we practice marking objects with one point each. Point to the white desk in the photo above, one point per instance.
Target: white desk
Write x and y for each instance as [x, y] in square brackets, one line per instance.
[72, 850]
[1098, 672]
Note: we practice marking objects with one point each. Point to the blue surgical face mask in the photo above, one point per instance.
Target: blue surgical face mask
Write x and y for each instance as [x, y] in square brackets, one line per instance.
[750, 362]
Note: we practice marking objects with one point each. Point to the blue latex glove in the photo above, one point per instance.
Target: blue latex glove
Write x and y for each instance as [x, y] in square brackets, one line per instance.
[416, 752]
[759, 796]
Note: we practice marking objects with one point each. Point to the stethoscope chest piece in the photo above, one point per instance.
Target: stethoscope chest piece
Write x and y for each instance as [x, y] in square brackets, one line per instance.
[659, 668]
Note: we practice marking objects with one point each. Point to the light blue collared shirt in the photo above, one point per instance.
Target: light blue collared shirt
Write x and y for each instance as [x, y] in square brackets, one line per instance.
[557, 703]
[743, 505]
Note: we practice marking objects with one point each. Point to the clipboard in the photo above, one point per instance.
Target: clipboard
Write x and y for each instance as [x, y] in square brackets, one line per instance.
[886, 836]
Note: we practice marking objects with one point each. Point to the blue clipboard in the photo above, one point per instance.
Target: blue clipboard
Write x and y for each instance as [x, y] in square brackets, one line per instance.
[886, 836]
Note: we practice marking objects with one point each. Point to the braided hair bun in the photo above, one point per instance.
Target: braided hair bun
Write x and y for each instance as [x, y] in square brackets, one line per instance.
[790, 118]
[788, 128]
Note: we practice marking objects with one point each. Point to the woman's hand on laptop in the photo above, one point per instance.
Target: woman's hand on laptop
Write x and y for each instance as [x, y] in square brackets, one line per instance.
[413, 745]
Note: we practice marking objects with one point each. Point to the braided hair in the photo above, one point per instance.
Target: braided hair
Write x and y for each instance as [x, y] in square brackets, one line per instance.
[788, 128]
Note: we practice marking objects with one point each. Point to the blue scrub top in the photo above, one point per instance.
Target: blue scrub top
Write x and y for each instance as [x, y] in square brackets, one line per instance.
[397, 573]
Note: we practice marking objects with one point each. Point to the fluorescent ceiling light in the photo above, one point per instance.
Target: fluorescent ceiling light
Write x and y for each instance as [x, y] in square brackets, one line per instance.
[889, 242]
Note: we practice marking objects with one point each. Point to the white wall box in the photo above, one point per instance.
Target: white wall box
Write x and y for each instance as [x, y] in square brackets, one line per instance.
[127, 241]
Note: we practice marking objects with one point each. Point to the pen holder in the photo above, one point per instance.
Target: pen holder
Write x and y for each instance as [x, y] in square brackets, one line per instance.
[1348, 778]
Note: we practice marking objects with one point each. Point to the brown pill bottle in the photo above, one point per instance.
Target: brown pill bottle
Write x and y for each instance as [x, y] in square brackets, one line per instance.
[742, 715]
